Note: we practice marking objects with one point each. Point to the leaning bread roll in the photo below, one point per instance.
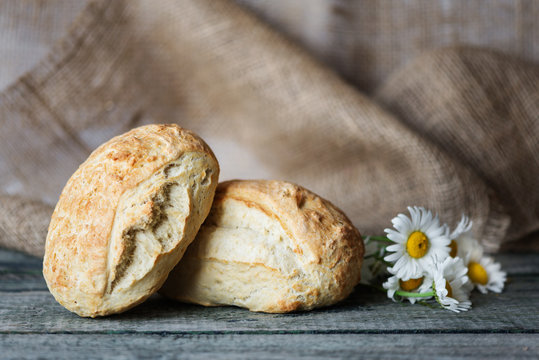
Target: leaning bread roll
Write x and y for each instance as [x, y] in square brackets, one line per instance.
[269, 246]
[125, 218]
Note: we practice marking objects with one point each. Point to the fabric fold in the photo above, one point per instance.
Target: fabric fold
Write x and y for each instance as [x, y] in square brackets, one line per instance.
[214, 68]
[480, 107]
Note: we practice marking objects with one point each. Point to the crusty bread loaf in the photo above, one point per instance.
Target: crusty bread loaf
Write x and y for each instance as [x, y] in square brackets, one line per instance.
[125, 218]
[269, 246]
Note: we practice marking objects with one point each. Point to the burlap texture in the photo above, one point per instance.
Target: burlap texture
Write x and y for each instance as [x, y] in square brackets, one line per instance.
[366, 40]
[482, 108]
[213, 68]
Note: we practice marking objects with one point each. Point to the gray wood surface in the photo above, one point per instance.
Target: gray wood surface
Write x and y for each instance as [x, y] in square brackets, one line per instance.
[367, 324]
[274, 346]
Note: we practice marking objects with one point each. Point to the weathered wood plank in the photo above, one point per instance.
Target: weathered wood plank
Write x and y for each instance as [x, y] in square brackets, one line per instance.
[12, 260]
[26, 306]
[514, 310]
[337, 346]
[519, 263]
[18, 282]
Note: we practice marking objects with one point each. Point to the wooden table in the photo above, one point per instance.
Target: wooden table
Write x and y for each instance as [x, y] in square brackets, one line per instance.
[33, 325]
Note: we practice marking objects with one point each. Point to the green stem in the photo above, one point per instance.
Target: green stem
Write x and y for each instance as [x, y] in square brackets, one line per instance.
[379, 238]
[415, 295]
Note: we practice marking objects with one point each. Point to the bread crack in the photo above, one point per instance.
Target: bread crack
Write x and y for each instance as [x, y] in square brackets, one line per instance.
[157, 218]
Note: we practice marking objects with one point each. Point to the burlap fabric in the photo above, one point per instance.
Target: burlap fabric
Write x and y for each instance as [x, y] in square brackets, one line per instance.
[456, 131]
[367, 40]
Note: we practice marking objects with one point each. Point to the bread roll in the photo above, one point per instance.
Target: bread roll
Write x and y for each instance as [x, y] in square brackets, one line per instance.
[269, 246]
[125, 218]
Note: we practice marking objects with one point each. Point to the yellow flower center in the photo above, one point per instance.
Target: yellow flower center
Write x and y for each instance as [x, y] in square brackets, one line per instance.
[454, 248]
[449, 289]
[417, 244]
[477, 273]
[411, 284]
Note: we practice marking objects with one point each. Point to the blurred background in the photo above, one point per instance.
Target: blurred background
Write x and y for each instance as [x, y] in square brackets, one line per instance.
[312, 91]
[363, 40]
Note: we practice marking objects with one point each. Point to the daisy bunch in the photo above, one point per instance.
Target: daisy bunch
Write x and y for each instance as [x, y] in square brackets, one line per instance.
[422, 260]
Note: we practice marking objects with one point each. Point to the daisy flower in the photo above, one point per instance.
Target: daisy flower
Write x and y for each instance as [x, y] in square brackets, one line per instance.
[486, 275]
[483, 272]
[461, 238]
[451, 285]
[420, 241]
[394, 285]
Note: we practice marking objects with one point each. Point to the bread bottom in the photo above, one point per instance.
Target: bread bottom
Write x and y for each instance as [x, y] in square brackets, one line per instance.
[243, 256]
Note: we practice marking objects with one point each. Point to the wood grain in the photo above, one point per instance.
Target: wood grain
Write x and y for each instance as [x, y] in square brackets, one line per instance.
[274, 346]
[33, 325]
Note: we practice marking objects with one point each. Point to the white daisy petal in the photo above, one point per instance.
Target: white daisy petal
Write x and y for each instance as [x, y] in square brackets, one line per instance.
[393, 284]
[427, 264]
[420, 240]
[392, 257]
[433, 227]
[450, 285]
[427, 283]
[401, 222]
[398, 224]
[400, 267]
[425, 218]
[439, 253]
[495, 277]
[395, 236]
[464, 226]
[394, 247]
[414, 216]
[463, 241]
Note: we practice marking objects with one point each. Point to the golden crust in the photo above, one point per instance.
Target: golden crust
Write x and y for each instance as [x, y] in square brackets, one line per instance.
[327, 248]
[317, 227]
[79, 266]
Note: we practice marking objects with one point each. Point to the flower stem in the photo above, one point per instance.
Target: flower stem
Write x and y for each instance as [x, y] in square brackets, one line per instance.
[413, 294]
[379, 238]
